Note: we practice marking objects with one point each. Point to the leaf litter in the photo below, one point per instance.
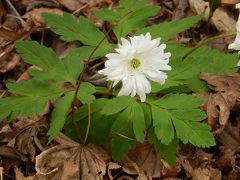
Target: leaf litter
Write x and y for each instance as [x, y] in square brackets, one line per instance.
[24, 144]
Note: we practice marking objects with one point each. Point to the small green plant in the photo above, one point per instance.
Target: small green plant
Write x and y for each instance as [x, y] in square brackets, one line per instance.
[169, 115]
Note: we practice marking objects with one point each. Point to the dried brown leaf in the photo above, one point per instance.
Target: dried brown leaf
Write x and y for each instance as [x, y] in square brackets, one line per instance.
[219, 105]
[11, 157]
[19, 175]
[112, 166]
[220, 18]
[87, 162]
[143, 159]
[36, 14]
[208, 173]
[8, 62]
[230, 136]
[71, 5]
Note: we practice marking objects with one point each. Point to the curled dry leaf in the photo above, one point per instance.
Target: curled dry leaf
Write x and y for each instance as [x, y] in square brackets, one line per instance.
[219, 105]
[200, 7]
[36, 14]
[85, 162]
[112, 166]
[223, 21]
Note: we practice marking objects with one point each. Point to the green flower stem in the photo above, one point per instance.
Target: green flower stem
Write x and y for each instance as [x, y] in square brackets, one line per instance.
[207, 41]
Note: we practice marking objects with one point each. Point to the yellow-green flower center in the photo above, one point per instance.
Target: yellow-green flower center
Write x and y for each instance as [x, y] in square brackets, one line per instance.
[135, 63]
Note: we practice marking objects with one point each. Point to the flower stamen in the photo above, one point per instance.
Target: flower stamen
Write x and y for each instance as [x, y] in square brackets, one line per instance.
[135, 63]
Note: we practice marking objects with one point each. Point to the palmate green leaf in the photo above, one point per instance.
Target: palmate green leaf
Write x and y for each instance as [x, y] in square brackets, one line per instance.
[134, 20]
[130, 123]
[106, 14]
[179, 101]
[196, 133]
[162, 124]
[21, 106]
[137, 116]
[100, 129]
[167, 152]
[131, 15]
[147, 114]
[34, 88]
[85, 93]
[32, 99]
[72, 29]
[167, 30]
[124, 127]
[180, 111]
[187, 72]
[59, 115]
[70, 68]
[36, 54]
[116, 105]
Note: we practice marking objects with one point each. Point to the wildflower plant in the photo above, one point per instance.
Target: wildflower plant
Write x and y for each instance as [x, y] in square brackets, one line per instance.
[150, 81]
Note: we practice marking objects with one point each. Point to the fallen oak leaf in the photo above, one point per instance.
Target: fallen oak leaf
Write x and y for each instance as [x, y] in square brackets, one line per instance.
[88, 162]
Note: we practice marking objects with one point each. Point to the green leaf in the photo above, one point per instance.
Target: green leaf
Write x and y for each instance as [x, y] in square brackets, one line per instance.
[134, 20]
[137, 116]
[198, 85]
[36, 54]
[178, 101]
[167, 152]
[196, 133]
[25, 106]
[116, 105]
[33, 99]
[130, 16]
[123, 126]
[147, 114]
[34, 88]
[59, 115]
[71, 29]
[73, 66]
[181, 111]
[85, 93]
[187, 72]
[99, 132]
[167, 30]
[106, 14]
[162, 124]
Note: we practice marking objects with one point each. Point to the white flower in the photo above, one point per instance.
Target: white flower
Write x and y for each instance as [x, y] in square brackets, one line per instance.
[236, 44]
[134, 62]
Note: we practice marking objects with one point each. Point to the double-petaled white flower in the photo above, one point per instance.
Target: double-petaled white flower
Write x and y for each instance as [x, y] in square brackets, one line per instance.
[236, 44]
[135, 62]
